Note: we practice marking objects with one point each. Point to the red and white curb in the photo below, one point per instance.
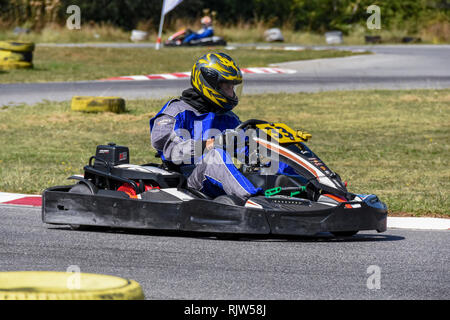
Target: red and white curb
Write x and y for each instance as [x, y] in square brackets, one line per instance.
[181, 75]
[20, 199]
[418, 223]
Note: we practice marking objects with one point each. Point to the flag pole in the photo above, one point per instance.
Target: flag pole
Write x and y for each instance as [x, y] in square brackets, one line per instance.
[161, 22]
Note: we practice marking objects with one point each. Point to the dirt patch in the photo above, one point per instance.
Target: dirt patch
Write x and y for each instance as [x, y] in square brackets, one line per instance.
[410, 98]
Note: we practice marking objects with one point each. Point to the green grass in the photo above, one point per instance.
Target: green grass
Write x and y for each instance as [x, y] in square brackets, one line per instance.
[391, 143]
[73, 64]
[60, 34]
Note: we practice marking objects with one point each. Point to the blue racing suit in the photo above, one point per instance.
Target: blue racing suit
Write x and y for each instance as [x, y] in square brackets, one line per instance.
[200, 34]
[178, 129]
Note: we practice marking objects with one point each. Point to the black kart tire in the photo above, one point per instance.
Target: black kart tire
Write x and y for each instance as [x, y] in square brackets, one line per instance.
[230, 200]
[80, 188]
[83, 189]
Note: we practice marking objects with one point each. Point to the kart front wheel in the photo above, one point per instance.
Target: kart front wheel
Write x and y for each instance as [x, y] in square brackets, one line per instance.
[83, 189]
[230, 200]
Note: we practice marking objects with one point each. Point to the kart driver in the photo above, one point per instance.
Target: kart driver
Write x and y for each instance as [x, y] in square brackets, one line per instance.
[207, 105]
[206, 31]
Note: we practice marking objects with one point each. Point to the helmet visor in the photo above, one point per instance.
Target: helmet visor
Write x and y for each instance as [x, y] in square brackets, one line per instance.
[238, 89]
[231, 90]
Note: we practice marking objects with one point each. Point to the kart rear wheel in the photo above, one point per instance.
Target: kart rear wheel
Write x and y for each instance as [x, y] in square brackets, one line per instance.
[341, 234]
[83, 189]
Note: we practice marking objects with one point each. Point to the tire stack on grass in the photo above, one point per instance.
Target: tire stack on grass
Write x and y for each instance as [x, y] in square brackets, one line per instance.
[16, 55]
[98, 104]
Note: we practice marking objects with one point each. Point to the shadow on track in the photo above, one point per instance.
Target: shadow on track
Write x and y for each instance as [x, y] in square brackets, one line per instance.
[322, 237]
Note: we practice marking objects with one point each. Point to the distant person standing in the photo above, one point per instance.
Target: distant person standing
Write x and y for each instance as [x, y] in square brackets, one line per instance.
[206, 30]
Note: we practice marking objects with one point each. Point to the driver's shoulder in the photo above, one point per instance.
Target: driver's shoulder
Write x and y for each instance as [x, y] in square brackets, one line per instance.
[231, 114]
[177, 106]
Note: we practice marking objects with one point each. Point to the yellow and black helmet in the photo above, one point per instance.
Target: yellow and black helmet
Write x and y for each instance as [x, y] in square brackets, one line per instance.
[209, 74]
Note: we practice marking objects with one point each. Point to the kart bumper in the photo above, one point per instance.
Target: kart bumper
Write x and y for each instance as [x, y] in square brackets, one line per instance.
[61, 207]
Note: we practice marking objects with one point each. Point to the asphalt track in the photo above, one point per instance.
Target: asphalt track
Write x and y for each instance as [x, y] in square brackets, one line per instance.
[390, 67]
[413, 264]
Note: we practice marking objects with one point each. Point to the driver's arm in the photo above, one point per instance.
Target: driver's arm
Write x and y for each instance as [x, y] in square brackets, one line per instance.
[171, 143]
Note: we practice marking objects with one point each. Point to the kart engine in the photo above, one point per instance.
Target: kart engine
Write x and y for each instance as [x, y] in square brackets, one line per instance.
[112, 154]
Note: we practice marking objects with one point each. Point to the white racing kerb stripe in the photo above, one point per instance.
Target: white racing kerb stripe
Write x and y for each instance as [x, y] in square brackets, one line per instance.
[417, 223]
[20, 199]
[267, 70]
[181, 75]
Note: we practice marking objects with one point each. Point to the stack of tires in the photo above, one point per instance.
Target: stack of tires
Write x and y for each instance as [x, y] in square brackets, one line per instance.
[70, 285]
[98, 104]
[16, 55]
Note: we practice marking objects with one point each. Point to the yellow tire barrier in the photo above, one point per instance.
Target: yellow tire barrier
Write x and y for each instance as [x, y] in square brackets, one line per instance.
[8, 56]
[15, 65]
[46, 285]
[98, 104]
[17, 46]
[16, 55]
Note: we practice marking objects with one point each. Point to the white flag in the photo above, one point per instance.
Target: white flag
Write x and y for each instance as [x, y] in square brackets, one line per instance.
[166, 7]
[169, 5]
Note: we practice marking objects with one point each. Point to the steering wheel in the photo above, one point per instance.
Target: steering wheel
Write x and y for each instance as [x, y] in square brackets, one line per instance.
[249, 123]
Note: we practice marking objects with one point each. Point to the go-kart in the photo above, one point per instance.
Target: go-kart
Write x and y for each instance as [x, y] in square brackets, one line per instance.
[114, 193]
[176, 40]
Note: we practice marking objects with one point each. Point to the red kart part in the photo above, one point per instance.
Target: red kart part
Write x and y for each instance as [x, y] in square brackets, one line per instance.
[129, 190]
